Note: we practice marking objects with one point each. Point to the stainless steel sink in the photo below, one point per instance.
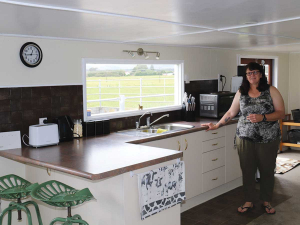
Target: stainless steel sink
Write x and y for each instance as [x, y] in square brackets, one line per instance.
[156, 130]
[172, 127]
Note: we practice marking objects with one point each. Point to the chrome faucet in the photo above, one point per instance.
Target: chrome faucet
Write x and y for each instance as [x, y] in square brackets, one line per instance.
[166, 115]
[138, 124]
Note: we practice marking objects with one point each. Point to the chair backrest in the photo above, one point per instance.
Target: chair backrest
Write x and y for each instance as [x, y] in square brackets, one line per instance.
[59, 194]
[13, 187]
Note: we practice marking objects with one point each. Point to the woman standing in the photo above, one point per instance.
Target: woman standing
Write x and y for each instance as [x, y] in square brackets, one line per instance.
[258, 133]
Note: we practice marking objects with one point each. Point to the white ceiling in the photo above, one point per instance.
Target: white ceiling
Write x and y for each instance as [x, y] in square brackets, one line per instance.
[198, 23]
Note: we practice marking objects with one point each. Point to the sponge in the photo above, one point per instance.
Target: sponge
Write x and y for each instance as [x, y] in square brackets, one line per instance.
[159, 130]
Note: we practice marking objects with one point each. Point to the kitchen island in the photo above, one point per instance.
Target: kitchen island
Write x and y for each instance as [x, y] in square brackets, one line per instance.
[102, 164]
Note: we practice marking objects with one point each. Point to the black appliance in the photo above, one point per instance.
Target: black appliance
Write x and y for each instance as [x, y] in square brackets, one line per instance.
[296, 115]
[241, 70]
[65, 128]
[96, 127]
[215, 105]
[294, 136]
[88, 128]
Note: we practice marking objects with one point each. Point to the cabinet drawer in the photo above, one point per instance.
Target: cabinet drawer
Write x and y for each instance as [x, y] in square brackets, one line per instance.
[213, 178]
[213, 144]
[211, 134]
[213, 159]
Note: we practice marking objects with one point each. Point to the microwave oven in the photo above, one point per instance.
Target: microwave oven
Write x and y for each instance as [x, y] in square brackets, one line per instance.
[215, 105]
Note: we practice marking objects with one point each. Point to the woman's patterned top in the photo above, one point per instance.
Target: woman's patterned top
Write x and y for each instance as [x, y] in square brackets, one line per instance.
[261, 132]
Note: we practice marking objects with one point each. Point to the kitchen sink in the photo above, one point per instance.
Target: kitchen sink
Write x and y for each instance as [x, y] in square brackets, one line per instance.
[172, 127]
[156, 130]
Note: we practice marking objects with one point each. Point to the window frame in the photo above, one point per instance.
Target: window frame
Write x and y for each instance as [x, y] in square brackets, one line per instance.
[179, 83]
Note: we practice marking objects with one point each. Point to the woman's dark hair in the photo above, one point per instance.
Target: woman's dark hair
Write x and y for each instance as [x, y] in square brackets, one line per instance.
[263, 83]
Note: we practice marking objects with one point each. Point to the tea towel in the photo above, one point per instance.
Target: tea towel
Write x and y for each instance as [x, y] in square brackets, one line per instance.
[161, 188]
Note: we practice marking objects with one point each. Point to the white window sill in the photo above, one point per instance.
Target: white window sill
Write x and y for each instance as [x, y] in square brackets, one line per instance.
[130, 113]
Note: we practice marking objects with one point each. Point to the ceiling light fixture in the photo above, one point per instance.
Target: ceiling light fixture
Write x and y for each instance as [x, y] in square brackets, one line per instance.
[146, 55]
[157, 55]
[141, 51]
[131, 54]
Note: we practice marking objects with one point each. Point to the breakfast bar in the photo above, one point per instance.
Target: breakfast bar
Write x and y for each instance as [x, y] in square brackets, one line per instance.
[102, 164]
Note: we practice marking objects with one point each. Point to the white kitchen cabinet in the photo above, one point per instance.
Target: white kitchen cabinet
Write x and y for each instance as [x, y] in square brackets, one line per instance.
[213, 158]
[213, 144]
[210, 158]
[213, 179]
[190, 145]
[232, 169]
[192, 156]
[212, 134]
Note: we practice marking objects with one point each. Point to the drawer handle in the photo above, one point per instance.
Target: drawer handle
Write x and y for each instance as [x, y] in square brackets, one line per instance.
[186, 144]
[215, 178]
[215, 133]
[214, 144]
[214, 159]
[179, 146]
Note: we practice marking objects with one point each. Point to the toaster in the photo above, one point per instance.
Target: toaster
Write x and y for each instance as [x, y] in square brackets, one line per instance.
[43, 135]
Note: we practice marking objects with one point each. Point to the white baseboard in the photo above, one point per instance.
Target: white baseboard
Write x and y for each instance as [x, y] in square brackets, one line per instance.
[199, 199]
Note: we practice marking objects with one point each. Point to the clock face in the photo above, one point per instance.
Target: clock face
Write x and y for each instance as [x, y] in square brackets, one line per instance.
[31, 54]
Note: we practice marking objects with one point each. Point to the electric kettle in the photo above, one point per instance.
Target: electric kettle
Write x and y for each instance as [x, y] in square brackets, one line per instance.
[65, 128]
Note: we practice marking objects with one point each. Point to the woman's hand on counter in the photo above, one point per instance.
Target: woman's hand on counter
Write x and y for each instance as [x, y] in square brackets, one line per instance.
[210, 126]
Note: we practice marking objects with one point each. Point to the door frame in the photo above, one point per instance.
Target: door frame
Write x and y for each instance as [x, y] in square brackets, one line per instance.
[274, 69]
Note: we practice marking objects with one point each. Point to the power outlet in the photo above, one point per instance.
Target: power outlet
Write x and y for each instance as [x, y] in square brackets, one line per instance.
[41, 120]
[219, 82]
[10, 140]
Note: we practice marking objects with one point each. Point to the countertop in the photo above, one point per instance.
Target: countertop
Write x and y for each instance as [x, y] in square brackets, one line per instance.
[102, 157]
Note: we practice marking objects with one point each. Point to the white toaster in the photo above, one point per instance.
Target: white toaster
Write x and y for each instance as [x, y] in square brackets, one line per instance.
[43, 135]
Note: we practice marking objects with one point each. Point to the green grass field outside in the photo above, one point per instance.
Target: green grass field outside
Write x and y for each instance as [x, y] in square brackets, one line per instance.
[113, 87]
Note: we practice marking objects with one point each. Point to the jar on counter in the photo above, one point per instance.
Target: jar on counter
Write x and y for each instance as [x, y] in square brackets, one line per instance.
[77, 128]
[89, 112]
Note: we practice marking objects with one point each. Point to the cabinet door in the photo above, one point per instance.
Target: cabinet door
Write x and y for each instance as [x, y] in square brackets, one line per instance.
[232, 162]
[192, 156]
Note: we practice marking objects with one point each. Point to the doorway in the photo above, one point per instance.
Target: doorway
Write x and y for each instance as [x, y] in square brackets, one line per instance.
[267, 63]
[273, 80]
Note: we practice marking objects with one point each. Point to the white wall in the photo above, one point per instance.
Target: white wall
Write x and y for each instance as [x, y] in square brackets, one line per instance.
[61, 63]
[294, 82]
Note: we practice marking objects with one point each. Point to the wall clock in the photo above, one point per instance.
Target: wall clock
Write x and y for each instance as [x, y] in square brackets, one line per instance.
[31, 54]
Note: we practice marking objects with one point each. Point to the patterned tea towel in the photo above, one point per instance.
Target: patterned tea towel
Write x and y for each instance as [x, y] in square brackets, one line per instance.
[284, 165]
[161, 188]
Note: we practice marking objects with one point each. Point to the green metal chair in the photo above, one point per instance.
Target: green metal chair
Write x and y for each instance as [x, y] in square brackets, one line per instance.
[13, 187]
[59, 194]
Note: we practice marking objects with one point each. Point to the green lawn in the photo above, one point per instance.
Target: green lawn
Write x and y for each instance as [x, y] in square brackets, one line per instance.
[129, 87]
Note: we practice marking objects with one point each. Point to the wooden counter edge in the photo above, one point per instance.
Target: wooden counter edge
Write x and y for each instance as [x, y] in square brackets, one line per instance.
[90, 176]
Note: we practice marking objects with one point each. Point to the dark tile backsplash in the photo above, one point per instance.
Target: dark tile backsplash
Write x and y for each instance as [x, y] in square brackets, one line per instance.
[22, 107]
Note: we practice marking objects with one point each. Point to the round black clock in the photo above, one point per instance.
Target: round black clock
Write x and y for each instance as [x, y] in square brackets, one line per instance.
[31, 54]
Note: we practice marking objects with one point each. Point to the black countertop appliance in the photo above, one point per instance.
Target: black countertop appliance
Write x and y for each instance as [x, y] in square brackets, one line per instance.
[215, 105]
[65, 128]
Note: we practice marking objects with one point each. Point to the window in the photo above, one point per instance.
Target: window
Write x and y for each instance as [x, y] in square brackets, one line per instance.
[120, 88]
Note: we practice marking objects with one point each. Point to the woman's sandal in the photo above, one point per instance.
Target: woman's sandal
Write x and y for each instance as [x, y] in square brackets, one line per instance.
[269, 207]
[248, 209]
